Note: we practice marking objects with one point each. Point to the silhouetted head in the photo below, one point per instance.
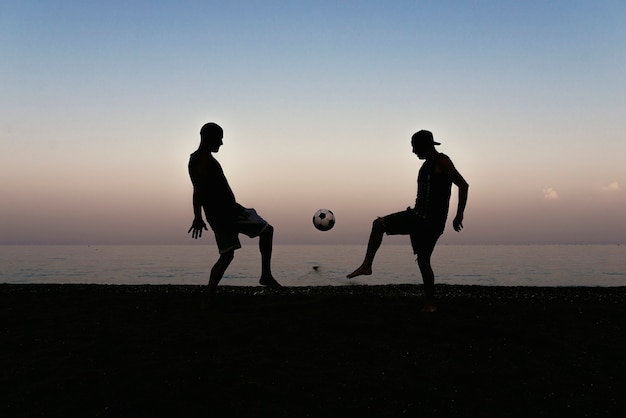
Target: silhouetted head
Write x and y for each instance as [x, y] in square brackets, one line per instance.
[211, 136]
[423, 144]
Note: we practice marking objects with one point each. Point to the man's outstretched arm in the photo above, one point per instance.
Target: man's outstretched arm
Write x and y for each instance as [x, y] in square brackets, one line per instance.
[457, 223]
[198, 223]
[198, 180]
[450, 170]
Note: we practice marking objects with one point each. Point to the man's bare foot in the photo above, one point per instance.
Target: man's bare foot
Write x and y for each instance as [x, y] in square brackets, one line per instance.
[270, 282]
[429, 308]
[361, 271]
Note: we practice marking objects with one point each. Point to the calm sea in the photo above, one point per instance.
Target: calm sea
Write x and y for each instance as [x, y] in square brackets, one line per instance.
[317, 265]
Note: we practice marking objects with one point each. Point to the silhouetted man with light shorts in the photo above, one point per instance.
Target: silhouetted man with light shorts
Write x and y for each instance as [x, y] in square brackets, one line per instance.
[426, 221]
[227, 218]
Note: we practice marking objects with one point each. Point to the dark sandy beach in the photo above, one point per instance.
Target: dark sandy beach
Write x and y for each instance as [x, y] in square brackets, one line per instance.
[91, 351]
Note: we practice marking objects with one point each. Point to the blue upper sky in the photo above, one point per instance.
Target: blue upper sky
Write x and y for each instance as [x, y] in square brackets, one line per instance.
[101, 104]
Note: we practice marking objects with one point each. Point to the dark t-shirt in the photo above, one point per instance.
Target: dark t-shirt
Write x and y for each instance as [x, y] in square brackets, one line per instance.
[212, 189]
[433, 194]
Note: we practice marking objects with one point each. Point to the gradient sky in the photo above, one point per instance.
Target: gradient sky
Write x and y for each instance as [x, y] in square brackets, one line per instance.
[101, 103]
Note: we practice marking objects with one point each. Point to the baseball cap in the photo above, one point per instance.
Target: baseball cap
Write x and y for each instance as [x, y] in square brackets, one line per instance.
[424, 138]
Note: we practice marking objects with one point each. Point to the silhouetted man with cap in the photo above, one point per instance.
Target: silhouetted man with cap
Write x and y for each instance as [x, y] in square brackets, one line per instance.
[426, 221]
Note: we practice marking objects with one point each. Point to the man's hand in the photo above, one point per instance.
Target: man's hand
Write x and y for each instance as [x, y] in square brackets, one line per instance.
[457, 223]
[197, 226]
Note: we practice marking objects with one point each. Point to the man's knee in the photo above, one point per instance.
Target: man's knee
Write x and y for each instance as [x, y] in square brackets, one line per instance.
[378, 225]
[423, 260]
[268, 231]
[227, 257]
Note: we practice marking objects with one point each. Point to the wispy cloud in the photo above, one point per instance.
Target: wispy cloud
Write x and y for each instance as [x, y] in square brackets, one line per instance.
[611, 187]
[550, 194]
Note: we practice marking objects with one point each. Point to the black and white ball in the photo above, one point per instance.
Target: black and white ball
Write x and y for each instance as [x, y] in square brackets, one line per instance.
[324, 219]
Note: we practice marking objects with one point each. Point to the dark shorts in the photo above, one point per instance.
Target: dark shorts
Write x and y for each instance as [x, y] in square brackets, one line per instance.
[248, 223]
[423, 233]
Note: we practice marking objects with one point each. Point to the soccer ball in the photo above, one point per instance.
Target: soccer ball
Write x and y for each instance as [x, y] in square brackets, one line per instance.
[324, 219]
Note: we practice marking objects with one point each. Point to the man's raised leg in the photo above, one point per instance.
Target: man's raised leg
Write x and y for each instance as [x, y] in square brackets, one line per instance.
[375, 240]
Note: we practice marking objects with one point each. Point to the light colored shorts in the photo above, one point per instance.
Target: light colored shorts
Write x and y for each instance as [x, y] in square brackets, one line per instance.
[248, 223]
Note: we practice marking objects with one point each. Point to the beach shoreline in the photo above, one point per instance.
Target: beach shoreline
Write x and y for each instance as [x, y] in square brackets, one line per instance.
[149, 350]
